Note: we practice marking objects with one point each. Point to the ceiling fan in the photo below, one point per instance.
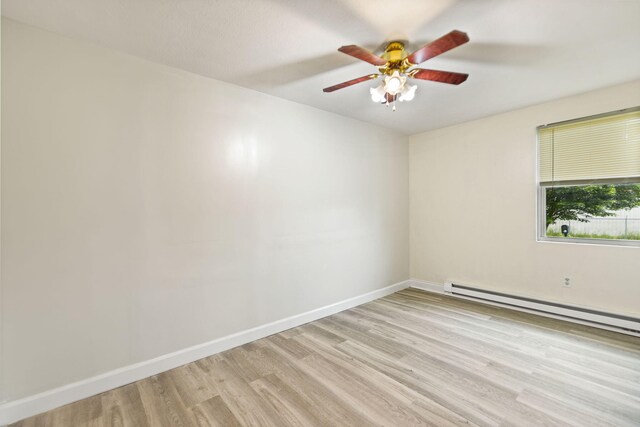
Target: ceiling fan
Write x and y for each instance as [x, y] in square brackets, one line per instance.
[395, 65]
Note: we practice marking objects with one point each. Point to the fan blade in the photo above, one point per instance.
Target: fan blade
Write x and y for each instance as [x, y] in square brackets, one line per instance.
[447, 42]
[438, 76]
[349, 83]
[362, 54]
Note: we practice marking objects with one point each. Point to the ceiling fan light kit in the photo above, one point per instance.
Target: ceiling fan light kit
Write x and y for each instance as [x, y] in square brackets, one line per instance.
[395, 65]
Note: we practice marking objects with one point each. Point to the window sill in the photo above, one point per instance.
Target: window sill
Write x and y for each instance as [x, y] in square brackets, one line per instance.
[597, 242]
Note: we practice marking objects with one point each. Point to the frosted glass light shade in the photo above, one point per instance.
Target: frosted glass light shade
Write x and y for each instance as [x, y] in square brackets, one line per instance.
[408, 92]
[394, 83]
[377, 94]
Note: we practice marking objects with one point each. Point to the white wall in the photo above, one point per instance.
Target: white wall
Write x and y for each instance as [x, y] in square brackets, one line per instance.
[147, 209]
[473, 211]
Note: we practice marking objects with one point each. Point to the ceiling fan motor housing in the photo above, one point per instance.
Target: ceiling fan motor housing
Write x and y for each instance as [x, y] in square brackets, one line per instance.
[395, 55]
[394, 52]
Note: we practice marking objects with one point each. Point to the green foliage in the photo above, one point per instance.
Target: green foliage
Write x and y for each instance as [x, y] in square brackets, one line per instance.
[630, 236]
[578, 203]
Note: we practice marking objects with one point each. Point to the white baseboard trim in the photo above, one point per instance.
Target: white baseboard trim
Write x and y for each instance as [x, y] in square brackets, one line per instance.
[427, 286]
[17, 410]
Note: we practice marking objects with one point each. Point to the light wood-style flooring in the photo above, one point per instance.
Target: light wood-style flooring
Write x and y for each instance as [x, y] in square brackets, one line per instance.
[411, 358]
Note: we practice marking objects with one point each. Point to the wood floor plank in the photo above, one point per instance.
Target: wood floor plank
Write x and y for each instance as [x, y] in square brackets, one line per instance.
[567, 414]
[245, 404]
[214, 413]
[190, 384]
[286, 402]
[374, 386]
[86, 413]
[408, 359]
[122, 407]
[404, 374]
[162, 404]
[238, 360]
[335, 411]
[456, 344]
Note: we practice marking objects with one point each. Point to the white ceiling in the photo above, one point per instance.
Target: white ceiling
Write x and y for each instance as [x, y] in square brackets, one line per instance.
[521, 52]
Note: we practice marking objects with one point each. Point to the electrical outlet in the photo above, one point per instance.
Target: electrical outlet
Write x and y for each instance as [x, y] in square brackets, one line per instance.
[567, 282]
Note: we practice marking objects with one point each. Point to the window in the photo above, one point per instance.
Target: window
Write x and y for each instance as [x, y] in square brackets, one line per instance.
[589, 179]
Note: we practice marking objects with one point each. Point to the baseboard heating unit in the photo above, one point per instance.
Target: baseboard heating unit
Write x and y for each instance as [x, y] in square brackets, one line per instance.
[615, 322]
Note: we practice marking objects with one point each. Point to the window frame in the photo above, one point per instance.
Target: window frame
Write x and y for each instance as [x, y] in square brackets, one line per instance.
[541, 208]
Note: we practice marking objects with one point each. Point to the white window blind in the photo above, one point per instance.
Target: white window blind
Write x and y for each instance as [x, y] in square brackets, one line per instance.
[600, 149]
